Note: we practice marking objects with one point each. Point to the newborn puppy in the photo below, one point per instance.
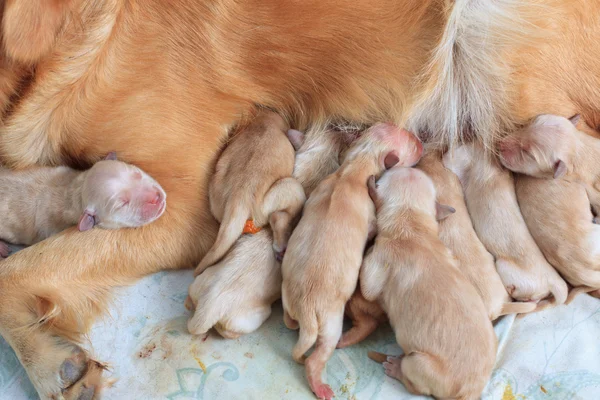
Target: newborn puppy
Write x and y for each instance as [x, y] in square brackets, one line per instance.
[457, 233]
[320, 268]
[557, 211]
[235, 295]
[253, 185]
[492, 203]
[552, 147]
[40, 202]
[438, 317]
[558, 215]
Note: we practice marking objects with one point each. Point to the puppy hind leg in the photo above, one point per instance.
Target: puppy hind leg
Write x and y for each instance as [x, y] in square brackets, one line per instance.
[421, 374]
[362, 326]
[329, 335]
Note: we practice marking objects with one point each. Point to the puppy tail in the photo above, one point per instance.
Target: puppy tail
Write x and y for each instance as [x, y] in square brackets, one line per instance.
[559, 291]
[309, 331]
[517, 308]
[377, 357]
[232, 225]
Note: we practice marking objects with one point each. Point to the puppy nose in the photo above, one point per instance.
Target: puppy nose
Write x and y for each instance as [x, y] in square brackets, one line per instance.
[156, 199]
[153, 197]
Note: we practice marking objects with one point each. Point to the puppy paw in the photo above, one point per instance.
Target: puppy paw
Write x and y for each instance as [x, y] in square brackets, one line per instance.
[323, 391]
[89, 386]
[393, 367]
[511, 289]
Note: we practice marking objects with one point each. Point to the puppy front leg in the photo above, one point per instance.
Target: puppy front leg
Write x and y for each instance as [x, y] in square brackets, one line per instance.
[282, 204]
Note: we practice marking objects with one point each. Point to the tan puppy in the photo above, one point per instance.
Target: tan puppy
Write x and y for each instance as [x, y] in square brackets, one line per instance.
[321, 266]
[557, 211]
[457, 233]
[253, 182]
[235, 295]
[558, 215]
[552, 147]
[438, 317]
[40, 202]
[492, 203]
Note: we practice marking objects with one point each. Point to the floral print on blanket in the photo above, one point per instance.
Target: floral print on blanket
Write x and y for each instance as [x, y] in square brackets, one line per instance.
[551, 355]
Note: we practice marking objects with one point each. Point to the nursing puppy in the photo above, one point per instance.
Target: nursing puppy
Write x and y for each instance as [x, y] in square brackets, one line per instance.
[557, 211]
[492, 204]
[40, 202]
[457, 233]
[321, 265]
[438, 317]
[552, 147]
[253, 183]
[235, 295]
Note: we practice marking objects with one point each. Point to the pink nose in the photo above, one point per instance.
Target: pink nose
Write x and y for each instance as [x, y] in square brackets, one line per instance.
[153, 197]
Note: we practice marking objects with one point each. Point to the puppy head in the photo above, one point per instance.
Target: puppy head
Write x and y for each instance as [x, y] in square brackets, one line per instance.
[544, 149]
[119, 195]
[30, 27]
[407, 188]
[391, 145]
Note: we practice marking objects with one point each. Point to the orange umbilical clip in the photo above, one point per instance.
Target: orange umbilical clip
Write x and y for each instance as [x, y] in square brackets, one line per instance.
[249, 227]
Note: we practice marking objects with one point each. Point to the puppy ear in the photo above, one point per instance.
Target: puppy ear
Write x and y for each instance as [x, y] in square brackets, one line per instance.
[575, 119]
[442, 211]
[372, 186]
[111, 156]
[86, 221]
[391, 159]
[30, 27]
[560, 168]
[296, 138]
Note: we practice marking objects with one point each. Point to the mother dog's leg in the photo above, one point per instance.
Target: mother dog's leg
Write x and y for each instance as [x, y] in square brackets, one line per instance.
[50, 293]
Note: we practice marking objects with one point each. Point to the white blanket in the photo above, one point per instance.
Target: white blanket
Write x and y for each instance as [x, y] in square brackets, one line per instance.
[553, 355]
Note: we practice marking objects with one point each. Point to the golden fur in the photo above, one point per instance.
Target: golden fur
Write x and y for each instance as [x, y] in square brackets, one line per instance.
[321, 265]
[161, 83]
[457, 233]
[438, 317]
[490, 198]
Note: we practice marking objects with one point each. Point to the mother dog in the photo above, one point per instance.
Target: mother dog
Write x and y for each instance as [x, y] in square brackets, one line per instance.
[160, 82]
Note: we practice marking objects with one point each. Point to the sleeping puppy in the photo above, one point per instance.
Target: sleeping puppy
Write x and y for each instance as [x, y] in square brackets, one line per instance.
[556, 205]
[457, 233]
[250, 189]
[40, 202]
[321, 265]
[235, 295]
[438, 317]
[492, 204]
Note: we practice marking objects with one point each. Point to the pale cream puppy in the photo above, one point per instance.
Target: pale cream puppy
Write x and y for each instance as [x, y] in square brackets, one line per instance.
[438, 317]
[321, 265]
[559, 218]
[552, 147]
[557, 211]
[492, 204]
[457, 233]
[235, 295]
[253, 182]
[40, 202]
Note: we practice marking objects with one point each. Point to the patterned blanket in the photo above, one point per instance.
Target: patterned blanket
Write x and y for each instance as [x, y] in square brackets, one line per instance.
[551, 355]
